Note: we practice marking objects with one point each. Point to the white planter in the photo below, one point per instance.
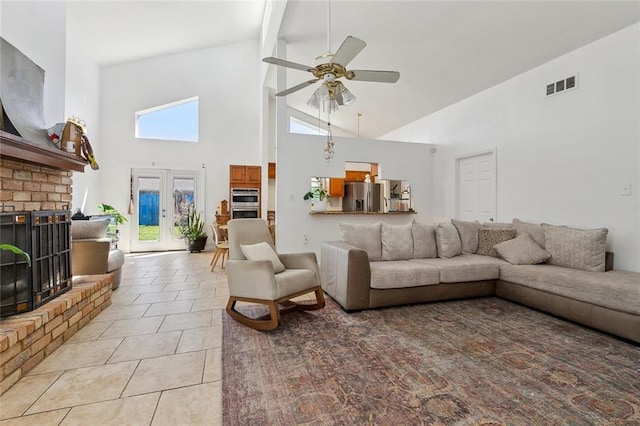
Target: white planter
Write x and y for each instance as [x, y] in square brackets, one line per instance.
[319, 206]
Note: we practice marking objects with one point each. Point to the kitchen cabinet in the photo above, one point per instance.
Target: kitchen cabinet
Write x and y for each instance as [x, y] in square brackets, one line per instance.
[239, 175]
[336, 187]
[272, 171]
[355, 175]
[253, 174]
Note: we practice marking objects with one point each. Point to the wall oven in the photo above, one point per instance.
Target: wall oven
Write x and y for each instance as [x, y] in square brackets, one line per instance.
[245, 203]
[244, 212]
[245, 197]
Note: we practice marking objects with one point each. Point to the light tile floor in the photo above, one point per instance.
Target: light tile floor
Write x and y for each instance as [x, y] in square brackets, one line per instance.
[152, 358]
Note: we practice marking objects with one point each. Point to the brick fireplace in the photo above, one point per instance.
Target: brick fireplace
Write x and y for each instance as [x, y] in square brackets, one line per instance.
[39, 178]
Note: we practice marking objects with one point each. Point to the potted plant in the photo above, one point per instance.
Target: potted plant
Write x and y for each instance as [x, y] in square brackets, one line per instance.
[193, 231]
[321, 195]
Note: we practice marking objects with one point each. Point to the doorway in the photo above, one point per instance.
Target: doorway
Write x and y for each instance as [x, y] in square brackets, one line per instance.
[476, 186]
[162, 199]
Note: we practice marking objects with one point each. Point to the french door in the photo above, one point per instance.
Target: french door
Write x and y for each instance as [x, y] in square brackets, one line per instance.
[162, 199]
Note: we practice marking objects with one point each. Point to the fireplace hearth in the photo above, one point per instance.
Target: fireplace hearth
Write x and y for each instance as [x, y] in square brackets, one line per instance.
[45, 235]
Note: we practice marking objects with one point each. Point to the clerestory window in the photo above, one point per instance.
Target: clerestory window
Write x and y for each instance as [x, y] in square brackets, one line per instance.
[176, 121]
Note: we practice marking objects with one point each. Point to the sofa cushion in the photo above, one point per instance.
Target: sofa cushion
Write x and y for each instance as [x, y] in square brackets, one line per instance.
[402, 274]
[447, 240]
[262, 251]
[533, 229]
[468, 267]
[424, 240]
[619, 290]
[365, 237]
[489, 237]
[576, 248]
[397, 242]
[522, 250]
[89, 229]
[468, 232]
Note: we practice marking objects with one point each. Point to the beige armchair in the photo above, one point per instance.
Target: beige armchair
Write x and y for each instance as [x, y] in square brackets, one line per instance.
[257, 274]
[91, 253]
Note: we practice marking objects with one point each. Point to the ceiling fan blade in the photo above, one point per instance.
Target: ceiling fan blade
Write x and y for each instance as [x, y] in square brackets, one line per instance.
[351, 46]
[377, 76]
[296, 88]
[288, 64]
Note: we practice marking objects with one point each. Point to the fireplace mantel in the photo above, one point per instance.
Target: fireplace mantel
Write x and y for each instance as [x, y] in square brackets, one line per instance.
[16, 148]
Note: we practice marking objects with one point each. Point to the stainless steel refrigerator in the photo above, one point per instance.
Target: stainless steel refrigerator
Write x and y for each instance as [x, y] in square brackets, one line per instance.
[363, 197]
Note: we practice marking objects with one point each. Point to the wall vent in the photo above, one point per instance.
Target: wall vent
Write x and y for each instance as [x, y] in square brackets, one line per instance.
[562, 86]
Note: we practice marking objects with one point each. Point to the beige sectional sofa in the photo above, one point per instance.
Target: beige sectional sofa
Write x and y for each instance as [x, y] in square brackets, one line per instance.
[568, 274]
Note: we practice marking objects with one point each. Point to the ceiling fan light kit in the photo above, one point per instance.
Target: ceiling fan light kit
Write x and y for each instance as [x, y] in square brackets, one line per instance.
[331, 67]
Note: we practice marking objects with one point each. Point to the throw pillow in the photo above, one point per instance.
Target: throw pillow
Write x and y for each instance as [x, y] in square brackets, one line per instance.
[489, 237]
[496, 225]
[365, 237]
[522, 250]
[447, 240]
[262, 251]
[468, 232]
[397, 242]
[89, 229]
[576, 248]
[424, 240]
[533, 229]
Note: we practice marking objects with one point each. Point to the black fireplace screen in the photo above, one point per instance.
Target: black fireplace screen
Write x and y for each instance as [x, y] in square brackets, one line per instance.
[45, 235]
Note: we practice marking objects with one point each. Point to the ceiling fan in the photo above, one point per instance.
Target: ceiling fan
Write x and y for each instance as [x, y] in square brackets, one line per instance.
[329, 68]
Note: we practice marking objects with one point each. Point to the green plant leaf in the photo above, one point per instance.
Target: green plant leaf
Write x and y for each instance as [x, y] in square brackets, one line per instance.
[16, 250]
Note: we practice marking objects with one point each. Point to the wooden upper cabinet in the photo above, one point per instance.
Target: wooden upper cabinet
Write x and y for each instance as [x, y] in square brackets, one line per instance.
[245, 175]
[272, 171]
[237, 174]
[355, 175]
[253, 174]
[336, 187]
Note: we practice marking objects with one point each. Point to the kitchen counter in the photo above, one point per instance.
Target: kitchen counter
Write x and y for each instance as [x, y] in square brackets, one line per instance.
[334, 212]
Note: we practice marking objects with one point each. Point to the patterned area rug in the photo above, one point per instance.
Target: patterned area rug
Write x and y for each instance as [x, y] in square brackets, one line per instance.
[482, 361]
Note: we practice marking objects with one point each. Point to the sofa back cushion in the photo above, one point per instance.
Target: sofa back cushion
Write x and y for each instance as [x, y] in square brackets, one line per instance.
[448, 240]
[576, 248]
[424, 240]
[489, 237]
[397, 242]
[468, 232]
[533, 229]
[522, 250]
[365, 237]
[89, 229]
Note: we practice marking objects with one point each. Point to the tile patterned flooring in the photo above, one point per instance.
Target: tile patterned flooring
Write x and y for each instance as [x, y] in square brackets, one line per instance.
[154, 357]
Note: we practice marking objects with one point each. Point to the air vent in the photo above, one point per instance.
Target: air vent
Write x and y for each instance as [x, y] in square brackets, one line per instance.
[562, 86]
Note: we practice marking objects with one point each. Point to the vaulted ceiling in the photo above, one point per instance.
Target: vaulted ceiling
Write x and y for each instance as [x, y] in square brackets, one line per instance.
[445, 51]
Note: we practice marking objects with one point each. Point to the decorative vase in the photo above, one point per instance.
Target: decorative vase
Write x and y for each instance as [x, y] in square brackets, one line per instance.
[197, 245]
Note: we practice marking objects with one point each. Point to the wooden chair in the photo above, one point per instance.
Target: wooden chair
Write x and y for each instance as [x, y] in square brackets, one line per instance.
[256, 281]
[222, 247]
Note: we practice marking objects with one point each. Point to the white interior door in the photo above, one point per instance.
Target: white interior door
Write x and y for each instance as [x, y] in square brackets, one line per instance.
[162, 198]
[476, 187]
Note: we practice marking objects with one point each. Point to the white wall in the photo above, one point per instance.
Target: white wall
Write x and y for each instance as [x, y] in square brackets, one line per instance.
[228, 122]
[301, 157]
[561, 159]
[82, 99]
[37, 29]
